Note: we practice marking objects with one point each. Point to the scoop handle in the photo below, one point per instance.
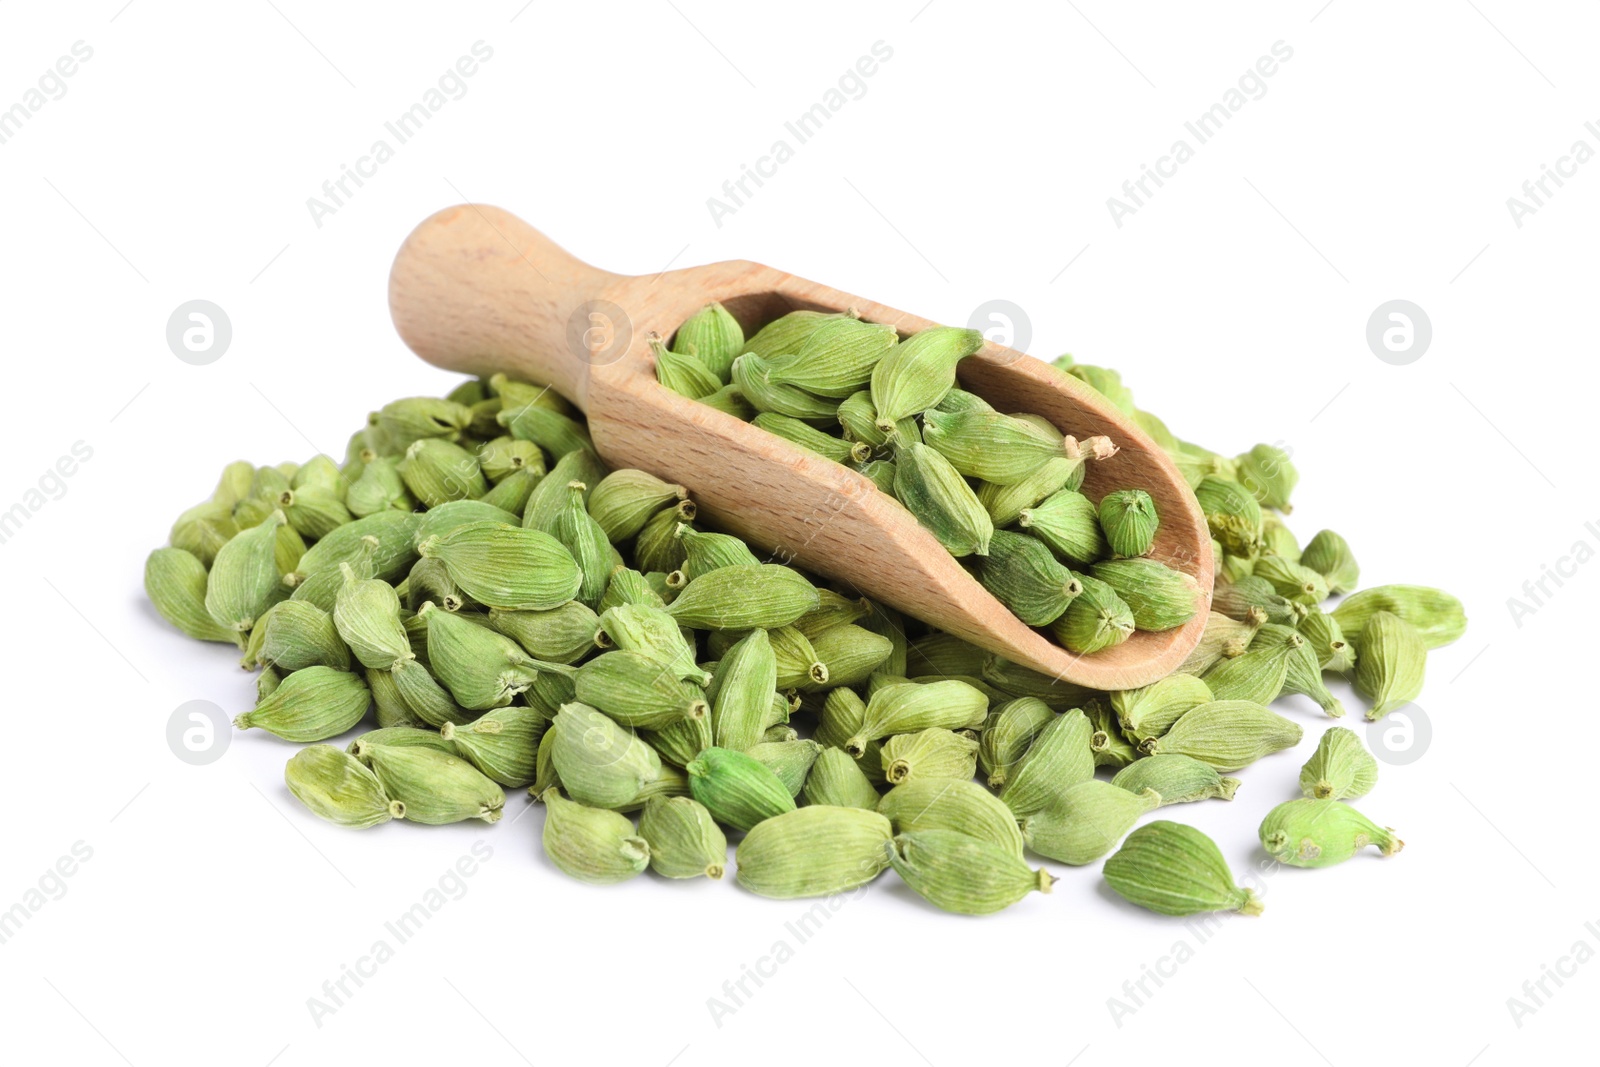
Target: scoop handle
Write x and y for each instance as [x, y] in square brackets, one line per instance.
[475, 289]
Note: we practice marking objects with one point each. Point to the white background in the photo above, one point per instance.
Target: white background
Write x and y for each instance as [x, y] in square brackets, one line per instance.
[976, 166]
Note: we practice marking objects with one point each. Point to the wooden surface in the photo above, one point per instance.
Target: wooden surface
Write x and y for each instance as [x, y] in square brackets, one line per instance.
[476, 290]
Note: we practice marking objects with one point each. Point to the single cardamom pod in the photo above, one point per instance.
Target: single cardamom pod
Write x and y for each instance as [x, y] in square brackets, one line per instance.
[911, 706]
[504, 566]
[963, 874]
[175, 582]
[997, 448]
[1109, 745]
[245, 579]
[1227, 734]
[1257, 676]
[296, 634]
[1086, 821]
[379, 488]
[553, 431]
[513, 492]
[1129, 519]
[1240, 599]
[714, 336]
[1173, 869]
[503, 744]
[628, 586]
[797, 661]
[234, 483]
[1278, 540]
[790, 760]
[550, 495]
[682, 741]
[738, 789]
[787, 333]
[406, 421]
[650, 631]
[915, 374]
[388, 706]
[1149, 712]
[591, 844]
[599, 762]
[812, 439]
[1097, 619]
[1103, 380]
[425, 700]
[837, 780]
[502, 457]
[836, 360]
[1175, 779]
[623, 501]
[929, 754]
[1006, 503]
[1023, 575]
[397, 736]
[848, 655]
[752, 377]
[1224, 638]
[1340, 769]
[366, 613]
[1058, 759]
[313, 511]
[481, 668]
[205, 528]
[337, 787]
[951, 804]
[1265, 470]
[1233, 513]
[685, 841]
[744, 598]
[1323, 633]
[1014, 680]
[391, 556]
[683, 372]
[637, 691]
[1321, 833]
[429, 579]
[814, 852]
[730, 401]
[859, 420]
[1159, 597]
[310, 705]
[1293, 581]
[1304, 674]
[706, 552]
[941, 500]
[437, 471]
[958, 399]
[1394, 656]
[585, 540]
[561, 635]
[1437, 617]
[1329, 555]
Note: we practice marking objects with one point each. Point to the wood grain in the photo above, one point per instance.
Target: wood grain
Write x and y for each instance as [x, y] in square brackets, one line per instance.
[475, 289]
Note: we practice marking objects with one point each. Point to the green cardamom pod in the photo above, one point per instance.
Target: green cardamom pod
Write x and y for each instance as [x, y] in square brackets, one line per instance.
[1293, 581]
[1129, 519]
[553, 431]
[637, 691]
[481, 668]
[814, 852]
[752, 377]
[738, 789]
[660, 546]
[714, 336]
[337, 787]
[397, 736]
[797, 661]
[706, 552]
[940, 654]
[1097, 619]
[406, 421]
[379, 488]
[391, 556]
[1266, 472]
[623, 501]
[996, 448]
[586, 542]
[963, 874]
[444, 518]
[790, 760]
[388, 706]
[245, 579]
[842, 716]
[1321, 833]
[933, 753]
[550, 495]
[1257, 676]
[1248, 596]
[1323, 633]
[1223, 638]
[837, 780]
[1159, 597]
[812, 439]
[1394, 656]
[205, 528]
[848, 655]
[561, 635]
[951, 804]
[1149, 712]
[744, 598]
[599, 762]
[859, 420]
[836, 360]
[730, 401]
[1007, 732]
[911, 706]
[1340, 769]
[296, 634]
[685, 841]
[1023, 575]
[1173, 869]
[1175, 779]
[1233, 513]
[1329, 555]
[504, 566]
[1437, 617]
[1304, 674]
[1086, 821]
[941, 500]
[1103, 380]
[366, 612]
[682, 741]
[915, 374]
[437, 471]
[503, 744]
[425, 699]
[1227, 734]
[429, 579]
[502, 457]
[787, 333]
[651, 632]
[628, 586]
[313, 704]
[683, 372]
[591, 844]
[1058, 759]
[175, 582]
[1277, 540]
[1006, 503]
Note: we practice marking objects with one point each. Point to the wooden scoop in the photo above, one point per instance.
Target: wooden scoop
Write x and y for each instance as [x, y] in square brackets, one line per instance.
[474, 289]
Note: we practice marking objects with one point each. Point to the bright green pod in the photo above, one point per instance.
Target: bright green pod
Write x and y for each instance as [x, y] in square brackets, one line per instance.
[744, 598]
[714, 337]
[313, 704]
[445, 518]
[1006, 503]
[836, 779]
[1258, 676]
[813, 852]
[245, 580]
[437, 472]
[788, 332]
[1173, 869]
[1058, 759]
[812, 439]
[1227, 734]
[659, 546]
[842, 715]
[1022, 574]
[910, 706]
[685, 841]
[997, 448]
[1086, 821]
[1160, 597]
[942, 501]
[705, 552]
[502, 457]
[1175, 779]
[593, 845]
[684, 372]
[1097, 619]
[175, 582]
[836, 359]
[503, 743]
[337, 787]
[1329, 555]
[1293, 581]
[1394, 657]
[623, 501]
[556, 433]
[1340, 769]
[738, 789]
[508, 567]
[1304, 673]
[914, 375]
[951, 804]
[1008, 730]
[1129, 519]
[549, 497]
[860, 422]
[1321, 833]
[752, 377]
[1437, 617]
[962, 874]
[931, 754]
[1150, 711]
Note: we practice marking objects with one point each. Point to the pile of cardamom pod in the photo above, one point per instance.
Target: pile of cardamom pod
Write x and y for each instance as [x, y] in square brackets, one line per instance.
[505, 612]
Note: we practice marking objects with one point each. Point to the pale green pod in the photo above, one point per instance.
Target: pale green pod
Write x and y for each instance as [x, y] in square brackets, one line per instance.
[1393, 659]
[1250, 596]
[1278, 540]
[391, 556]
[388, 706]
[742, 692]
[503, 744]
[313, 511]
[660, 546]
[599, 762]
[1058, 759]
[335, 786]
[585, 540]
[398, 736]
[859, 420]
[552, 431]
[623, 501]
[443, 518]
[1175, 779]
[297, 634]
[1257, 676]
[1129, 519]
[366, 612]
[637, 691]
[1150, 711]
[903, 708]
[245, 578]
[1110, 746]
[1266, 472]
[502, 457]
[790, 760]
[175, 582]
[429, 579]
[313, 704]
[814, 852]
[550, 495]
[205, 528]
[591, 844]
[787, 333]
[704, 552]
[837, 779]
[744, 598]
[1340, 769]
[1233, 513]
[437, 471]
[1228, 734]
[560, 635]
[1321, 833]
[997, 448]
[1329, 555]
[234, 483]
[1015, 680]
[1293, 581]
[1174, 869]
[650, 631]
[939, 655]
[951, 804]
[685, 841]
[929, 754]
[1223, 638]
[836, 359]
[1304, 673]
[379, 488]
[833, 610]
[1007, 503]
[505, 566]
[842, 715]
[481, 668]
[1096, 619]
[942, 501]
[849, 655]
[413, 418]
[1007, 733]
[1159, 597]
[1323, 633]
[425, 700]
[962, 874]
[681, 742]
[436, 787]
[797, 661]
[915, 374]
[714, 337]
[1086, 821]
